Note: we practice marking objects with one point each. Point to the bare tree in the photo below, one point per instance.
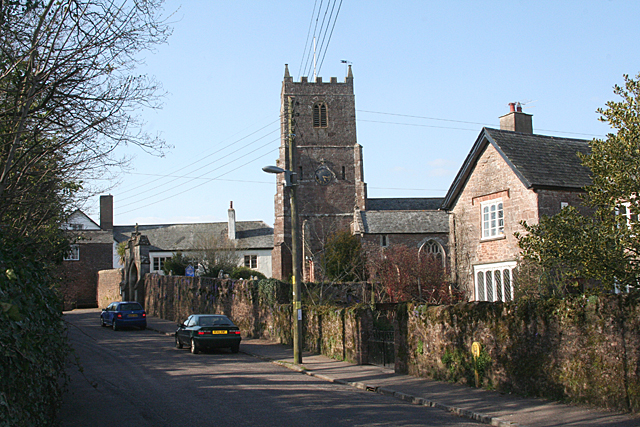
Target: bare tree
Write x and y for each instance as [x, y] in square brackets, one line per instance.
[69, 97]
[215, 253]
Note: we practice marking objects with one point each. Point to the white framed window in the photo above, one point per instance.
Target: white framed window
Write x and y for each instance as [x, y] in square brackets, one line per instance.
[73, 254]
[492, 219]
[624, 210]
[494, 282]
[563, 205]
[384, 240]
[158, 262]
[251, 261]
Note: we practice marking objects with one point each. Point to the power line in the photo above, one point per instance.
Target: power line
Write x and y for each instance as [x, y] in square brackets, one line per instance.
[331, 34]
[200, 159]
[162, 192]
[453, 121]
[306, 43]
[199, 185]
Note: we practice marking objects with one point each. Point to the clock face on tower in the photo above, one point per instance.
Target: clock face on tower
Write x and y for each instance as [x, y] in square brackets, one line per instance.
[323, 175]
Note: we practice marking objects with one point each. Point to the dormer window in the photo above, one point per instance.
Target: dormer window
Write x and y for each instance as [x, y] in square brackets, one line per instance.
[320, 115]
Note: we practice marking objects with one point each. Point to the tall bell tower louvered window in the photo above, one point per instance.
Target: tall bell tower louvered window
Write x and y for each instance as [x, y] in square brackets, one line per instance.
[320, 115]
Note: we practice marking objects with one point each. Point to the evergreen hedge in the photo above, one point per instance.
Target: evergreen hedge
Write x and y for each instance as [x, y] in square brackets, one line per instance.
[33, 343]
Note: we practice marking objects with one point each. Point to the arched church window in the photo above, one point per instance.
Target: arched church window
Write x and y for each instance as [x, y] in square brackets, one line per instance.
[320, 115]
[434, 249]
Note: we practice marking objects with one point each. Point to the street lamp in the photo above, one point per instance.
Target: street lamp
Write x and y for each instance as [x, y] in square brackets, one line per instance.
[289, 178]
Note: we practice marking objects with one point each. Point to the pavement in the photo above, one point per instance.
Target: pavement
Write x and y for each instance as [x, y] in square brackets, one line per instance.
[489, 407]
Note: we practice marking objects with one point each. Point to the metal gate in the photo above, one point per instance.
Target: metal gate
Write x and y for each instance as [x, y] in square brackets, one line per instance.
[382, 348]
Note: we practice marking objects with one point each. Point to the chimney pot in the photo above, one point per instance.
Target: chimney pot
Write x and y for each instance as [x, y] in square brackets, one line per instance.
[232, 223]
[516, 120]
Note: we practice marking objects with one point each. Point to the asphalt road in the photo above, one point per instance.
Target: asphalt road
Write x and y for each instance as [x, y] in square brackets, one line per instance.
[138, 378]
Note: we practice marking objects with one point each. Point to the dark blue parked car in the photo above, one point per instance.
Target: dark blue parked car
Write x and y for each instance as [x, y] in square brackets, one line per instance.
[122, 314]
[205, 331]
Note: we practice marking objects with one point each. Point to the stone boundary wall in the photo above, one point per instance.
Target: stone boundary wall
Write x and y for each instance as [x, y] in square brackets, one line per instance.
[335, 332]
[583, 350]
[108, 289]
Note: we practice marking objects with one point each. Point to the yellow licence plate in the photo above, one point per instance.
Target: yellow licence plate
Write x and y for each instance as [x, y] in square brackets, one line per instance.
[132, 315]
[218, 332]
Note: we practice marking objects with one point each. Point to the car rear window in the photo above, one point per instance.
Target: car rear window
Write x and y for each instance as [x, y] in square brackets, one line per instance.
[214, 321]
[130, 307]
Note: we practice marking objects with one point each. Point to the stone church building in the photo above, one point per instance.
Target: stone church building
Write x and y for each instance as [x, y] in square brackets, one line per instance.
[318, 119]
[510, 175]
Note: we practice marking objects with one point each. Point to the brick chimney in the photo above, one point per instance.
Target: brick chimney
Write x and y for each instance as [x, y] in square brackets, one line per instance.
[106, 213]
[516, 120]
[232, 222]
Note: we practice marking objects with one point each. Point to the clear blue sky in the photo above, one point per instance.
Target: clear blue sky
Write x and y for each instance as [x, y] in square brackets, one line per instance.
[455, 65]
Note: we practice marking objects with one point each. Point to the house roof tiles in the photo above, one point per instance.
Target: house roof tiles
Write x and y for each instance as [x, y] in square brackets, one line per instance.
[179, 237]
[539, 161]
[405, 222]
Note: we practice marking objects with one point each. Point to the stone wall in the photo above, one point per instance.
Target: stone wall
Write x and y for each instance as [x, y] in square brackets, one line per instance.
[261, 310]
[108, 289]
[585, 350]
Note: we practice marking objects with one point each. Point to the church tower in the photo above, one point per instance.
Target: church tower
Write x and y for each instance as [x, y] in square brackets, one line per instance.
[320, 119]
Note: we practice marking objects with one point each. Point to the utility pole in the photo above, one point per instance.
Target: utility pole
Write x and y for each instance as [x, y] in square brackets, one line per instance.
[295, 246]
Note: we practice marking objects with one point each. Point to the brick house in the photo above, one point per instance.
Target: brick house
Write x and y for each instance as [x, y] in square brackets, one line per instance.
[510, 175]
[91, 251]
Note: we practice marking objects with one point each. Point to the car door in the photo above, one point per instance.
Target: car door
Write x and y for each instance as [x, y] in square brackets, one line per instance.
[108, 313]
[183, 333]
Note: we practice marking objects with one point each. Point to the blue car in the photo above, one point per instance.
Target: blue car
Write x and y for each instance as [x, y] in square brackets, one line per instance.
[123, 314]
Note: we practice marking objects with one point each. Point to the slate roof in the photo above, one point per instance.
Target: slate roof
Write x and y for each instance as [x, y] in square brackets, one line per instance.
[539, 161]
[404, 222]
[404, 204]
[181, 237]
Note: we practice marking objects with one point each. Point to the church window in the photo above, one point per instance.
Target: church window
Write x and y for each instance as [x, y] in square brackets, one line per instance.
[433, 249]
[384, 241]
[344, 173]
[320, 115]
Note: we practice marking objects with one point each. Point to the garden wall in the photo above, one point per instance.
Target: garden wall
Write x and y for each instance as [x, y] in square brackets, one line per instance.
[108, 289]
[583, 350]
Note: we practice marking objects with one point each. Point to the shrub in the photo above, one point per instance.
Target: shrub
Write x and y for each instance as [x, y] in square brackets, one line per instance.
[34, 347]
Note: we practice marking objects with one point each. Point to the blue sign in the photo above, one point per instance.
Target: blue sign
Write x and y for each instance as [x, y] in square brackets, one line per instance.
[190, 271]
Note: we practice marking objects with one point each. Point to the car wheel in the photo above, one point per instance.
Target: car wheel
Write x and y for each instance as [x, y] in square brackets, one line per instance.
[102, 322]
[114, 325]
[143, 327]
[194, 347]
[235, 348]
[178, 342]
